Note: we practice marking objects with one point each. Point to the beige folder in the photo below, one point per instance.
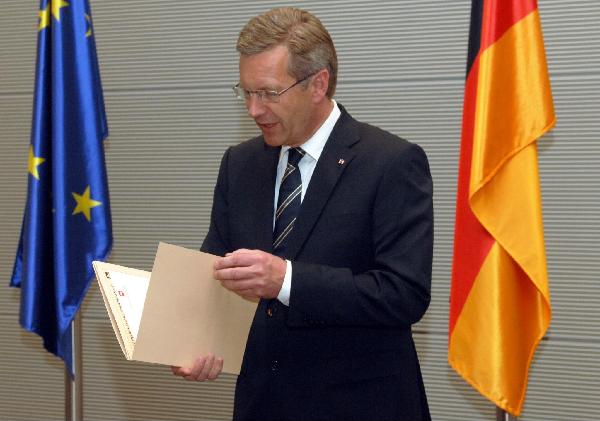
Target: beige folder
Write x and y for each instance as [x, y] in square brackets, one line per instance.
[185, 313]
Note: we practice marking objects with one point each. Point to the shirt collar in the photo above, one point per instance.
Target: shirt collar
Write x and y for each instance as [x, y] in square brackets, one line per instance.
[314, 146]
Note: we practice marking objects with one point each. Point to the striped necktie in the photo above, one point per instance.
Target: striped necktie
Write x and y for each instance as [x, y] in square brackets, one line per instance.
[288, 202]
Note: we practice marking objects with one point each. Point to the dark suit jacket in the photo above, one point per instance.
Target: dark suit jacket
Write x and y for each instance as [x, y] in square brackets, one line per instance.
[361, 253]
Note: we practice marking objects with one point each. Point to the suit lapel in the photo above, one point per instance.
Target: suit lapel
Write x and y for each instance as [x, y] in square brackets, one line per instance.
[333, 161]
[264, 175]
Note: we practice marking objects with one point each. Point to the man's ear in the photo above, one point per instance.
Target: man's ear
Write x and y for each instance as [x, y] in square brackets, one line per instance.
[320, 84]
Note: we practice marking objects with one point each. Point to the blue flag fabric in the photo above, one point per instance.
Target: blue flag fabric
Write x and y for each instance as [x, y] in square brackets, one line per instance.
[66, 222]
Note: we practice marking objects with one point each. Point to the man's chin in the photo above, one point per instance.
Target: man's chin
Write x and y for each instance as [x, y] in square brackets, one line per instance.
[273, 141]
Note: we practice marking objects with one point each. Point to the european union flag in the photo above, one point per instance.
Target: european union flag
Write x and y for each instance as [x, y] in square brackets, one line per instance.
[67, 221]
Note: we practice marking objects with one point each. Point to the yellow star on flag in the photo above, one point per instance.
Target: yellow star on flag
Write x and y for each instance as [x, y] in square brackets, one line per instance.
[34, 162]
[85, 204]
[56, 6]
[88, 33]
[53, 7]
[44, 15]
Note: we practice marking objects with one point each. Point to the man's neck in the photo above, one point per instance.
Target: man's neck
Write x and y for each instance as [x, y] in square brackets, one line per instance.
[322, 112]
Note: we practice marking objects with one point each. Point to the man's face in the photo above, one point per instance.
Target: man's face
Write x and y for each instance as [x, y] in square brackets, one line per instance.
[289, 121]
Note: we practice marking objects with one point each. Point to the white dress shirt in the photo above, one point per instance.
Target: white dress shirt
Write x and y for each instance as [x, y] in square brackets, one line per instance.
[313, 148]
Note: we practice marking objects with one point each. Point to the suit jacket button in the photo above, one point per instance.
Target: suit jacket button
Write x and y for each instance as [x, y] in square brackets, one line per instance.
[274, 365]
[270, 311]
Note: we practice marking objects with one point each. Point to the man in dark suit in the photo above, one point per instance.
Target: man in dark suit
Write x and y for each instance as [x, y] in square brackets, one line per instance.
[328, 221]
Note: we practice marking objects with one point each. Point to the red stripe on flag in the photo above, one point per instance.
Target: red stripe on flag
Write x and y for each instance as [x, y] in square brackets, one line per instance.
[471, 241]
[500, 15]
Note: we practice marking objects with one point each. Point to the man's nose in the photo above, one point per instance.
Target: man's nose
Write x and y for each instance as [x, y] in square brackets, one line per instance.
[255, 106]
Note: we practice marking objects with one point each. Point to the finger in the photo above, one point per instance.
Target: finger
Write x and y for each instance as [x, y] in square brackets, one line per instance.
[234, 274]
[245, 251]
[239, 285]
[216, 369]
[196, 369]
[179, 371]
[208, 365]
[239, 258]
[248, 293]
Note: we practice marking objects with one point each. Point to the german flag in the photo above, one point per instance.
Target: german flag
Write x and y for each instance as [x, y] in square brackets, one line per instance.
[500, 299]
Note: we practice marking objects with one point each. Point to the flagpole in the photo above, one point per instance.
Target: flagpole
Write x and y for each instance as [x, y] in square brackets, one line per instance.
[502, 415]
[74, 385]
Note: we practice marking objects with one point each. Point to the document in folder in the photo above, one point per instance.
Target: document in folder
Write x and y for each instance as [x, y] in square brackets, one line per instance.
[177, 312]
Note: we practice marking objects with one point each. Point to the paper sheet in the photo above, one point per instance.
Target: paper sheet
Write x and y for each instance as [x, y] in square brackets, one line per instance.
[131, 294]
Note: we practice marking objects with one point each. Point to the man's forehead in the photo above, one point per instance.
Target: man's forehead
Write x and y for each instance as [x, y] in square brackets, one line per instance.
[270, 66]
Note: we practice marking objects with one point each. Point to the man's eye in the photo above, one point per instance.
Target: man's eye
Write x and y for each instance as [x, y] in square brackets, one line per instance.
[270, 94]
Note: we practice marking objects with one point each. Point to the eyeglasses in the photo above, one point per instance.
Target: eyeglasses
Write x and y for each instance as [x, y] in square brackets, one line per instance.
[264, 95]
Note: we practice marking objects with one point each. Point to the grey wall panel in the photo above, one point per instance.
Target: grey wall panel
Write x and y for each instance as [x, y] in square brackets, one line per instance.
[15, 122]
[168, 69]
[570, 171]
[143, 50]
[564, 382]
[31, 380]
[572, 36]
[17, 49]
[122, 390]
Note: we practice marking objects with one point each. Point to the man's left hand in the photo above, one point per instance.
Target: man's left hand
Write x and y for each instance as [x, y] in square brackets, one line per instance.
[251, 273]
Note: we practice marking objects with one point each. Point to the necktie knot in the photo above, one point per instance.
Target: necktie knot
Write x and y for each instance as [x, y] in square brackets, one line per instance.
[295, 155]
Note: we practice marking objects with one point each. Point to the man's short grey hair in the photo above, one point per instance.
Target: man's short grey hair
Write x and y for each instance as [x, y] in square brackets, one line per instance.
[308, 42]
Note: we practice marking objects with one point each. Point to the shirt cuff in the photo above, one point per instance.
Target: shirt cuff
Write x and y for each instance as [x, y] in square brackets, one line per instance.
[284, 293]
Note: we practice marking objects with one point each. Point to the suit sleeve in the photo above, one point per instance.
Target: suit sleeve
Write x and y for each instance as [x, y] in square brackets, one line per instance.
[217, 239]
[395, 292]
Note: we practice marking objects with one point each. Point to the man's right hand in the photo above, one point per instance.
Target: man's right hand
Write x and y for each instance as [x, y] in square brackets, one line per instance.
[204, 368]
